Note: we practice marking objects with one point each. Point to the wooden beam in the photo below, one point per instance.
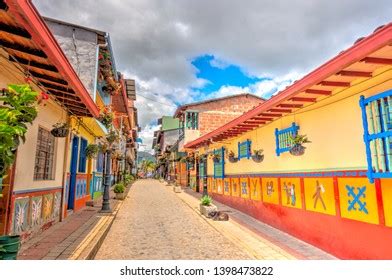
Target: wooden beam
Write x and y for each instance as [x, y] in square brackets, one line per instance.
[355, 73]
[67, 97]
[319, 91]
[334, 84]
[304, 99]
[270, 115]
[378, 60]
[47, 77]
[262, 118]
[290, 105]
[57, 87]
[21, 48]
[280, 110]
[33, 63]
[60, 93]
[14, 30]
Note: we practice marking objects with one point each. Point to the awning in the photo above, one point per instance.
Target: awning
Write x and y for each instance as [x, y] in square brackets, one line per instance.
[30, 44]
[95, 126]
[351, 66]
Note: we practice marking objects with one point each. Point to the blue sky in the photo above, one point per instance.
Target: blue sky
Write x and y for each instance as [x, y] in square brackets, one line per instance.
[220, 73]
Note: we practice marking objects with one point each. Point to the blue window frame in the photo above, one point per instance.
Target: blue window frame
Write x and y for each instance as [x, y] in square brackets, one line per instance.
[377, 126]
[219, 167]
[244, 149]
[283, 140]
[192, 120]
[82, 156]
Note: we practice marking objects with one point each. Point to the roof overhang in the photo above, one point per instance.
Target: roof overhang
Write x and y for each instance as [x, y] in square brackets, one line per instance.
[29, 42]
[357, 62]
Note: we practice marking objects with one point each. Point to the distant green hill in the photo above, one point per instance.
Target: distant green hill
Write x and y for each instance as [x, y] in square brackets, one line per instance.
[144, 155]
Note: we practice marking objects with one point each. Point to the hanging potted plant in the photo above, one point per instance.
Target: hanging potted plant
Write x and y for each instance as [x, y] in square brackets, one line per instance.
[106, 117]
[60, 129]
[298, 140]
[112, 136]
[231, 157]
[92, 150]
[258, 155]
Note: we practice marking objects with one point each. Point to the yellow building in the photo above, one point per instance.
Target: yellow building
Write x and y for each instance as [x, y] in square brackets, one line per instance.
[333, 191]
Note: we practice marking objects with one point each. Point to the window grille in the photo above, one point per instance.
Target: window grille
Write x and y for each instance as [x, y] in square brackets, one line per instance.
[44, 155]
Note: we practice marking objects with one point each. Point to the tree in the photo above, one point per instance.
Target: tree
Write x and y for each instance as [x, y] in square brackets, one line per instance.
[147, 166]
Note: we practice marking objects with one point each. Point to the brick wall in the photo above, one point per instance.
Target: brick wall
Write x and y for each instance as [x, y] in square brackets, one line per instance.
[215, 114]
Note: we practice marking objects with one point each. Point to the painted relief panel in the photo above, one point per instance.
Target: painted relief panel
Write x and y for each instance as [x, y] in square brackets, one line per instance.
[255, 188]
[21, 211]
[214, 186]
[270, 190]
[358, 200]
[226, 186]
[192, 182]
[319, 195]
[57, 204]
[235, 187]
[291, 192]
[244, 183]
[36, 211]
[386, 189]
[47, 207]
[219, 186]
[209, 185]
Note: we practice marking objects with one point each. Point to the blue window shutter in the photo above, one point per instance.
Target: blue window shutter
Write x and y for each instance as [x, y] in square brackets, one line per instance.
[282, 138]
[82, 156]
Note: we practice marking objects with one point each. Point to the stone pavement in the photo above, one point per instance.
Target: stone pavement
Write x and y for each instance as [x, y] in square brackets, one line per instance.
[262, 240]
[153, 223]
[74, 238]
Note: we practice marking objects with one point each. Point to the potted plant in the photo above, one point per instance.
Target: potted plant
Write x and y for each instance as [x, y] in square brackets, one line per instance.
[298, 140]
[258, 155]
[206, 206]
[92, 150]
[9, 247]
[119, 190]
[231, 157]
[112, 136]
[60, 129]
[106, 117]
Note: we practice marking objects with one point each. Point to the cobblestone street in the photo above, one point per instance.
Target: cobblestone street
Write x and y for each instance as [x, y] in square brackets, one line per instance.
[153, 223]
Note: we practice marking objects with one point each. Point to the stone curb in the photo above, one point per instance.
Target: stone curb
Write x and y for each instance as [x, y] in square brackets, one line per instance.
[93, 241]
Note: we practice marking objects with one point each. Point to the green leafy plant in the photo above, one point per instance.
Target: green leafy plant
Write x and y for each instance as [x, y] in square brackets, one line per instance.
[258, 152]
[112, 136]
[299, 139]
[128, 178]
[18, 108]
[92, 150]
[206, 200]
[119, 188]
[106, 117]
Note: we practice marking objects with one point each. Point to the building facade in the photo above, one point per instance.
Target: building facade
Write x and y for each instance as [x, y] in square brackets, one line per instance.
[334, 192]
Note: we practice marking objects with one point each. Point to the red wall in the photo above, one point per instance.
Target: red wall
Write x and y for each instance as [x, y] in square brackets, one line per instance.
[344, 238]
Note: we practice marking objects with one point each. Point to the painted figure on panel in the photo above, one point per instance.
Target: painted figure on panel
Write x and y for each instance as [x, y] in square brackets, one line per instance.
[234, 187]
[244, 188]
[270, 188]
[226, 186]
[361, 193]
[254, 188]
[289, 189]
[317, 195]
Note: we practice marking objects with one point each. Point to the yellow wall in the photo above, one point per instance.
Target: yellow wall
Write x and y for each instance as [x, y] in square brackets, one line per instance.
[334, 127]
[386, 189]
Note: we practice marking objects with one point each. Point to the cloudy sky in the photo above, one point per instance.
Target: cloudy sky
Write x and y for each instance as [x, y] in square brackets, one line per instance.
[188, 50]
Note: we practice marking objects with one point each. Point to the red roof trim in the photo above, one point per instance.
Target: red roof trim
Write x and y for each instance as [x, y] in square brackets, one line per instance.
[355, 53]
[28, 16]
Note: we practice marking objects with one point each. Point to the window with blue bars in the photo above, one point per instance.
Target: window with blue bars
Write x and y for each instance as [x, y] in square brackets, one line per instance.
[283, 138]
[219, 167]
[244, 149]
[82, 156]
[377, 126]
[192, 120]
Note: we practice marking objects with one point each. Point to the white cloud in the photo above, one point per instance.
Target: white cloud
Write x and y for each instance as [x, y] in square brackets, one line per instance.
[219, 63]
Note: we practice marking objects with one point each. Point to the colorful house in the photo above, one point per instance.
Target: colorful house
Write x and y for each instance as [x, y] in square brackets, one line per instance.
[31, 194]
[200, 118]
[336, 193]
[90, 53]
